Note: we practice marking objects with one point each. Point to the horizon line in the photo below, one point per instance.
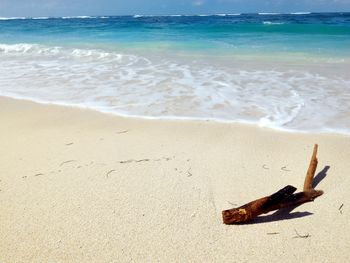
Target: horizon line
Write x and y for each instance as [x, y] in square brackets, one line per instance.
[177, 14]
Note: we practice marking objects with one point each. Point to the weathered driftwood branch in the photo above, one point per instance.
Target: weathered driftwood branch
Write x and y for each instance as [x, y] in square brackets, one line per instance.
[281, 199]
[311, 170]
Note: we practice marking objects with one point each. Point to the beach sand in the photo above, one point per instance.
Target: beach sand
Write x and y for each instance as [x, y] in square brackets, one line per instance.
[81, 186]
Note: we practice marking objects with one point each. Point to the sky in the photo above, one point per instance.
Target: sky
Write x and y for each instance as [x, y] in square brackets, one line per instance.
[130, 7]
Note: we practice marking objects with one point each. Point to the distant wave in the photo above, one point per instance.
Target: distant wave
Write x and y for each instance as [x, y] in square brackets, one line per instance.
[142, 15]
[182, 15]
[301, 13]
[232, 14]
[78, 17]
[268, 14]
[40, 17]
[47, 17]
[272, 23]
[237, 14]
[173, 15]
[84, 17]
[12, 18]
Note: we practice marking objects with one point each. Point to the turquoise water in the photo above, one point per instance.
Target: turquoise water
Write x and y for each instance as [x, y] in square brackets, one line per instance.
[284, 71]
[310, 33]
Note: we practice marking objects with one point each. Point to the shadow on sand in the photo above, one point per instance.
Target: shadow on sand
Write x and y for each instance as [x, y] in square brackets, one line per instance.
[286, 213]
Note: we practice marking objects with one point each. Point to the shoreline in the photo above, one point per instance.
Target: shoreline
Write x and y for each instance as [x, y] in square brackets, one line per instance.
[82, 186]
[272, 94]
[176, 119]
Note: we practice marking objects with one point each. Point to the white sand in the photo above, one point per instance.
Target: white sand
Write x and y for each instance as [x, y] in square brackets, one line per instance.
[80, 186]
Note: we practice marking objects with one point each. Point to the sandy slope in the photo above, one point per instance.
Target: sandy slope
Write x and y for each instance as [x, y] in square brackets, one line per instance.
[80, 186]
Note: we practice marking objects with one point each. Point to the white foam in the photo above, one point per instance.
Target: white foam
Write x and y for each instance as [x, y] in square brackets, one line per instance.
[46, 17]
[168, 89]
[22, 48]
[16, 48]
[139, 16]
[183, 15]
[301, 13]
[41, 18]
[272, 23]
[12, 18]
[78, 17]
[268, 14]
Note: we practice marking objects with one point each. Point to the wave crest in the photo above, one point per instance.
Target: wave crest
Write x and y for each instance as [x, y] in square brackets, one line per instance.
[268, 14]
[108, 82]
[273, 23]
[301, 13]
[12, 18]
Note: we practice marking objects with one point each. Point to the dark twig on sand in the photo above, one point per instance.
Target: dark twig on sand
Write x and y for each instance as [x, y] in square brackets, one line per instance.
[121, 132]
[284, 168]
[69, 161]
[231, 203]
[340, 207]
[144, 160]
[300, 236]
[283, 198]
[265, 167]
[109, 172]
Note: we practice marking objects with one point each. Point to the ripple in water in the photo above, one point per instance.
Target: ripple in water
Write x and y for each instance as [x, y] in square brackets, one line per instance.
[133, 85]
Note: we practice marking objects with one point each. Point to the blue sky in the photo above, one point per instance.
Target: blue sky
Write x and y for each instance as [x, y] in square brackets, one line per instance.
[123, 7]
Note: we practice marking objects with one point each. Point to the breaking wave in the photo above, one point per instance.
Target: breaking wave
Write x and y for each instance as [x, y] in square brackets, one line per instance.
[133, 85]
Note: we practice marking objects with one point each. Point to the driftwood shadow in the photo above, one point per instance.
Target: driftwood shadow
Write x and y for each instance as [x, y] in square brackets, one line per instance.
[286, 213]
[280, 215]
[320, 176]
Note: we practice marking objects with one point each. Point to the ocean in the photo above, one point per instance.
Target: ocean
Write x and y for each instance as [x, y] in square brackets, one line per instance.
[288, 72]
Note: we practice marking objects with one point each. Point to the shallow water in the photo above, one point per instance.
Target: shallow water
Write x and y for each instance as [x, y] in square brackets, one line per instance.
[285, 71]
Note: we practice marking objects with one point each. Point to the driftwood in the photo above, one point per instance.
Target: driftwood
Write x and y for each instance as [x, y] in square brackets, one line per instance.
[281, 199]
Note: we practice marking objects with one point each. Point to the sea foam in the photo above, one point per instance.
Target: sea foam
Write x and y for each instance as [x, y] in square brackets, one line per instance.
[268, 14]
[272, 23]
[301, 13]
[12, 18]
[134, 85]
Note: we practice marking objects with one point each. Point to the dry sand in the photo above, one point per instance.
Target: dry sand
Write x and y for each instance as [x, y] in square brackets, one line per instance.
[80, 186]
